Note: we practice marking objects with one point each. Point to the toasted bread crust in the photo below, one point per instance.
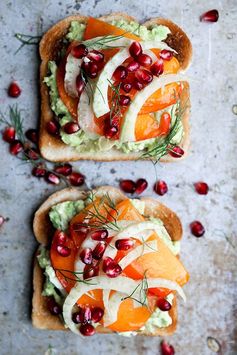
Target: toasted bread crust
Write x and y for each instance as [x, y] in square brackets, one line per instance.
[53, 148]
[41, 317]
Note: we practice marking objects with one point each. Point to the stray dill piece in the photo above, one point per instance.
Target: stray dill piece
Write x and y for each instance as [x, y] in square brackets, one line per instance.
[26, 40]
[16, 121]
[74, 276]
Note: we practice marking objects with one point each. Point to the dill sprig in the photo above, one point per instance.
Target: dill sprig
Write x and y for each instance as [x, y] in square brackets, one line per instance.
[76, 278]
[142, 290]
[16, 121]
[26, 40]
[103, 42]
[115, 109]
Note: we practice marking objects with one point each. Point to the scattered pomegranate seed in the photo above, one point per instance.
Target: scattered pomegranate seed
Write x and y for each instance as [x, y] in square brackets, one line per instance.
[76, 179]
[163, 304]
[137, 85]
[120, 73]
[210, 16]
[60, 237]
[157, 68]
[71, 127]
[79, 51]
[2, 220]
[176, 152]
[63, 250]
[124, 100]
[80, 84]
[87, 329]
[133, 66]
[99, 250]
[65, 169]
[32, 154]
[127, 87]
[141, 186]
[96, 56]
[86, 256]
[166, 349]
[110, 130]
[14, 90]
[53, 127]
[53, 307]
[106, 262]
[160, 187]
[9, 134]
[32, 135]
[16, 147]
[124, 244]
[52, 178]
[197, 229]
[135, 49]
[144, 59]
[38, 171]
[100, 234]
[128, 186]
[77, 317]
[90, 271]
[201, 188]
[97, 314]
[113, 270]
[144, 76]
[166, 54]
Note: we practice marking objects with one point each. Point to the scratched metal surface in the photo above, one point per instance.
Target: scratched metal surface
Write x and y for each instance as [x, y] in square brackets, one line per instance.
[211, 306]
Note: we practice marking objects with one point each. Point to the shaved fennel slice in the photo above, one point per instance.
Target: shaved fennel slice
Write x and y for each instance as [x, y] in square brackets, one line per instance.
[72, 70]
[86, 116]
[113, 304]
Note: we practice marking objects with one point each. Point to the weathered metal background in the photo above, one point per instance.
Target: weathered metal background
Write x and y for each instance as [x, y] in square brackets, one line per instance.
[211, 306]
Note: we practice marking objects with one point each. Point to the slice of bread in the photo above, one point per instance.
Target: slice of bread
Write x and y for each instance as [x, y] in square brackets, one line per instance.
[53, 148]
[41, 317]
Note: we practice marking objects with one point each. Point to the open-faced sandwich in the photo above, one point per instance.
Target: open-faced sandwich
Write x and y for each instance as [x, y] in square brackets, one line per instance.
[107, 263]
[113, 89]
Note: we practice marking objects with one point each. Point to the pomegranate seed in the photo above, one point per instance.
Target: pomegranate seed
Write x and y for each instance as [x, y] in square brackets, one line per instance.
[160, 187]
[52, 178]
[210, 16]
[53, 127]
[106, 262]
[80, 84]
[79, 51]
[201, 188]
[141, 186]
[32, 154]
[71, 127]
[124, 244]
[63, 250]
[197, 229]
[65, 169]
[53, 307]
[163, 304]
[124, 100]
[86, 314]
[2, 220]
[32, 135]
[9, 134]
[38, 171]
[86, 256]
[91, 69]
[157, 68]
[133, 66]
[99, 235]
[110, 131]
[97, 314]
[77, 227]
[90, 271]
[76, 179]
[14, 89]
[176, 152]
[128, 186]
[95, 56]
[77, 317]
[60, 237]
[135, 49]
[144, 76]
[127, 87]
[113, 270]
[137, 85]
[144, 59]
[166, 54]
[99, 250]
[16, 147]
[166, 349]
[87, 329]
[120, 73]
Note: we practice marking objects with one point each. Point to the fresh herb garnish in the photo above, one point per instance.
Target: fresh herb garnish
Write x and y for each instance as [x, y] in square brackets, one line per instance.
[76, 277]
[140, 291]
[26, 40]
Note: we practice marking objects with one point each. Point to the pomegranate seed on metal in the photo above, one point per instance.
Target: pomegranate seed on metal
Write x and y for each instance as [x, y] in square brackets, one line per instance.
[86, 256]
[32, 135]
[163, 304]
[166, 54]
[137, 85]
[9, 134]
[16, 147]
[65, 169]
[157, 68]
[14, 90]
[141, 185]
[76, 179]
[60, 237]
[110, 131]
[120, 73]
[87, 329]
[80, 84]
[32, 153]
[99, 250]
[166, 349]
[124, 100]
[91, 69]
[201, 187]
[2, 220]
[197, 229]
[100, 234]
[53, 307]
[63, 250]
[128, 186]
[95, 56]
[160, 187]
[77, 317]
[124, 244]
[90, 271]
[127, 87]
[106, 262]
[79, 51]
[38, 171]
[144, 59]
[97, 314]
[144, 76]
[133, 66]
[71, 127]
[53, 127]
[52, 178]
[135, 49]
[176, 152]
[210, 16]
[113, 270]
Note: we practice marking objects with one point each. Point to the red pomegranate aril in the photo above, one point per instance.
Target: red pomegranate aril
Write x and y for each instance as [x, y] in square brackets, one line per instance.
[77, 317]
[65, 169]
[210, 16]
[76, 179]
[124, 100]
[141, 186]
[135, 49]
[80, 84]
[128, 186]
[38, 171]
[166, 349]
[106, 262]
[16, 147]
[138, 85]
[32, 154]
[100, 234]
[124, 244]
[9, 134]
[160, 187]
[14, 90]
[52, 178]
[87, 329]
[86, 256]
[127, 87]
[79, 51]
[133, 66]
[86, 314]
[157, 68]
[71, 127]
[144, 76]
[96, 56]
[201, 188]
[99, 250]
[166, 54]
[197, 229]
[60, 237]
[53, 307]
[91, 69]
[53, 127]
[120, 73]
[2, 220]
[163, 304]
[110, 131]
[63, 250]
[144, 59]
[176, 152]
[90, 271]
[32, 135]
[77, 227]
[113, 270]
[97, 314]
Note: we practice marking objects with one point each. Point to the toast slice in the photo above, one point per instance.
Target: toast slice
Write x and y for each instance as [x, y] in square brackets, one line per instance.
[52, 148]
[41, 317]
